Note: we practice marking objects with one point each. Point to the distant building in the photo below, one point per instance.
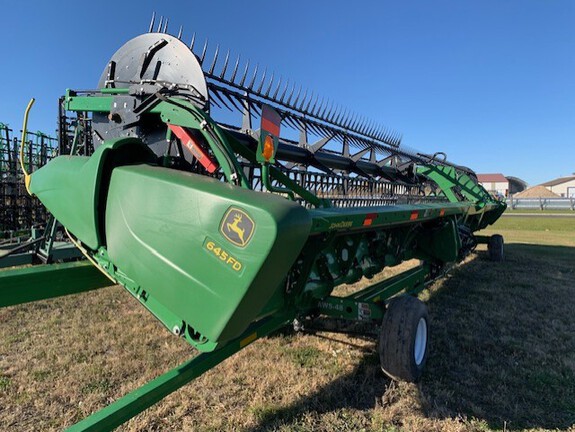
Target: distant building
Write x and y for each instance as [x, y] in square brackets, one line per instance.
[516, 185]
[563, 186]
[494, 183]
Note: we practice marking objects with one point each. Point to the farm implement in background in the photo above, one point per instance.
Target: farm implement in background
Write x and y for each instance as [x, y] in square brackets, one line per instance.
[227, 233]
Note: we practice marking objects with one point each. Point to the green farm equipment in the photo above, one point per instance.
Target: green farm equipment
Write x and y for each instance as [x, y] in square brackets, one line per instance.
[227, 233]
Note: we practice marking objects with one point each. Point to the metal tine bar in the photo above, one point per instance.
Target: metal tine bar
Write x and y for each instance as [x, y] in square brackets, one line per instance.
[251, 84]
[262, 83]
[294, 105]
[252, 106]
[225, 65]
[152, 22]
[233, 77]
[159, 30]
[166, 25]
[216, 94]
[292, 122]
[232, 98]
[214, 61]
[213, 101]
[284, 92]
[192, 42]
[256, 108]
[204, 50]
[270, 84]
[277, 88]
[314, 128]
[288, 102]
[180, 32]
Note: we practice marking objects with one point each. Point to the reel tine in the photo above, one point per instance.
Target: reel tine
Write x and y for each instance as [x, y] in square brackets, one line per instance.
[262, 83]
[233, 77]
[297, 96]
[243, 80]
[225, 67]
[234, 101]
[303, 99]
[251, 85]
[166, 25]
[270, 84]
[180, 32]
[284, 92]
[159, 30]
[192, 42]
[309, 103]
[214, 60]
[325, 108]
[152, 22]
[315, 112]
[204, 50]
[277, 88]
[291, 94]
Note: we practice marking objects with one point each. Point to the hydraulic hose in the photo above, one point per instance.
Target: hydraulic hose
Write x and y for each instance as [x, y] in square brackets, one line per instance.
[22, 141]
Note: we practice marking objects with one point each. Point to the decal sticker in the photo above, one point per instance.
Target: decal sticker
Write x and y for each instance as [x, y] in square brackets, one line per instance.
[224, 256]
[237, 227]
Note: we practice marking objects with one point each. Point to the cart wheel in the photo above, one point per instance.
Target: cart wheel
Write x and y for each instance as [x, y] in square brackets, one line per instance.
[495, 248]
[403, 340]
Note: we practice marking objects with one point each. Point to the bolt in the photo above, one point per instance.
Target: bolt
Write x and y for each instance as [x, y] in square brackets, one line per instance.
[176, 330]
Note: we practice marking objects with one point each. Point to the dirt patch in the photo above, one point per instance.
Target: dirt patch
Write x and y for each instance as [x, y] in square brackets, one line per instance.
[536, 192]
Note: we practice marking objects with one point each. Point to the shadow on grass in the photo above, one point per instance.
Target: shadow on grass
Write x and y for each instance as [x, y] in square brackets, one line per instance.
[502, 348]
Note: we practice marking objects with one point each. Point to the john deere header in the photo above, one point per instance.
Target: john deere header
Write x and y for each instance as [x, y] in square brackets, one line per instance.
[228, 232]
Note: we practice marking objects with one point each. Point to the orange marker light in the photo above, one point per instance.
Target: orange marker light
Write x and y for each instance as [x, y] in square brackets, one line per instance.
[268, 151]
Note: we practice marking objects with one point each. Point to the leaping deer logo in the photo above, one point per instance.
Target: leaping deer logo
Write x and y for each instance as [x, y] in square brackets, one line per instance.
[237, 227]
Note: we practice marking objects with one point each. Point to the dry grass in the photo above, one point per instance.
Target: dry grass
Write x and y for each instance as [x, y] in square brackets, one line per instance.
[503, 357]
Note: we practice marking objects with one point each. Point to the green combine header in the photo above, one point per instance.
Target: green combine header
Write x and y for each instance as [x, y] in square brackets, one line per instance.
[226, 233]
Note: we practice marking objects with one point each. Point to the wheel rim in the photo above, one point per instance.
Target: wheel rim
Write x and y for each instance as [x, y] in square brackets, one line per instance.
[420, 345]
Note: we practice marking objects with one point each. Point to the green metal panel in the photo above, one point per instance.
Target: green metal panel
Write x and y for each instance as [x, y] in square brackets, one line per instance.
[70, 186]
[166, 230]
[48, 281]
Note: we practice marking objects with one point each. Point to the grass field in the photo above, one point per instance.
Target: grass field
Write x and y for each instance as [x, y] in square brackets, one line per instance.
[502, 358]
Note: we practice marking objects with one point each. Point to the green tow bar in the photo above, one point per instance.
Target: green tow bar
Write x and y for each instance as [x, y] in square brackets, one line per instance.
[48, 281]
[144, 397]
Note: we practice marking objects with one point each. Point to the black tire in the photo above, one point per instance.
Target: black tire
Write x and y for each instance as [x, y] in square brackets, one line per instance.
[403, 339]
[495, 248]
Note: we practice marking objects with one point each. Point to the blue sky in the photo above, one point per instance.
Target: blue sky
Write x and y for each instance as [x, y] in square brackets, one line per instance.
[490, 82]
